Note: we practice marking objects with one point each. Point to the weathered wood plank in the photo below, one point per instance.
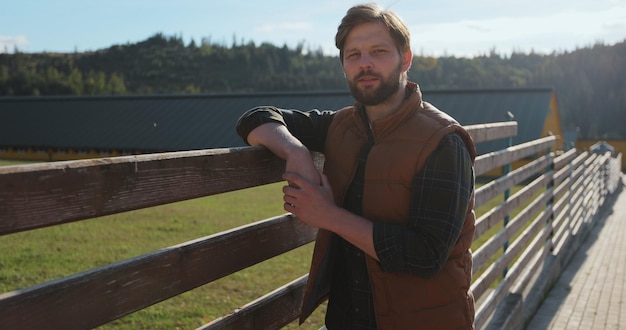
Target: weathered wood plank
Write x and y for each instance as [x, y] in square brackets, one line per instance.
[103, 294]
[501, 184]
[272, 311]
[492, 131]
[489, 161]
[564, 159]
[39, 195]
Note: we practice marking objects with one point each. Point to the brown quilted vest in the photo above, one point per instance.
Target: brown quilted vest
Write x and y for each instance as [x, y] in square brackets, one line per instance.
[403, 142]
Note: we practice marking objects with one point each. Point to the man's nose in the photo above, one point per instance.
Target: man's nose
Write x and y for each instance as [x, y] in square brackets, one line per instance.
[365, 62]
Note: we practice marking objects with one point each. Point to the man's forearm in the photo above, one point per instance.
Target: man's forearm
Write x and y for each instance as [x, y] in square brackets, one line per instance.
[277, 138]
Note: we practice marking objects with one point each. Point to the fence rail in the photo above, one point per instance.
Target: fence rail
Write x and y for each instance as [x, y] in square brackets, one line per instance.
[561, 194]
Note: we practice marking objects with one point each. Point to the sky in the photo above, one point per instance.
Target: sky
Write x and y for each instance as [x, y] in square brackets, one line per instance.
[460, 28]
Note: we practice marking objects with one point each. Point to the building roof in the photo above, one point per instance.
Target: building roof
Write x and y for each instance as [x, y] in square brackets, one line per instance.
[187, 122]
[530, 108]
[602, 147]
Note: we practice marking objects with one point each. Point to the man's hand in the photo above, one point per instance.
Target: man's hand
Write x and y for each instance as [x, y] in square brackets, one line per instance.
[312, 203]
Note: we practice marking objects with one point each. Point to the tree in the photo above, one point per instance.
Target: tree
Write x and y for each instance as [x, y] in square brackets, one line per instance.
[589, 82]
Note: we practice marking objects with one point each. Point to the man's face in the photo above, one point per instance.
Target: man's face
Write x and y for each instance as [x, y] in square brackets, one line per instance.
[372, 63]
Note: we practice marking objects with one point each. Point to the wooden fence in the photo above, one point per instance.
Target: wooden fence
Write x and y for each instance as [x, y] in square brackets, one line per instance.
[561, 194]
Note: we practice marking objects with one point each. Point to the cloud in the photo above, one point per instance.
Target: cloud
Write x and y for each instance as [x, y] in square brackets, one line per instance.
[288, 33]
[10, 43]
[478, 27]
[558, 31]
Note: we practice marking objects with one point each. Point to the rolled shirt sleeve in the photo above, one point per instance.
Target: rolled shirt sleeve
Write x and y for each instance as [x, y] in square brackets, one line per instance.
[310, 127]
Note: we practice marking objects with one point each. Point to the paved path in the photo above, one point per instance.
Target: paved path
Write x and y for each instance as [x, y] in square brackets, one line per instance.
[590, 294]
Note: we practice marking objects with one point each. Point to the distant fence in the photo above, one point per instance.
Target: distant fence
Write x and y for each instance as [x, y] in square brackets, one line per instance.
[561, 194]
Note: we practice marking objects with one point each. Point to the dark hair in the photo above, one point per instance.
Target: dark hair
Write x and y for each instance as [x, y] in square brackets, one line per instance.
[372, 13]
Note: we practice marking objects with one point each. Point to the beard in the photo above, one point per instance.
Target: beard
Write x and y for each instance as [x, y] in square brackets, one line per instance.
[374, 96]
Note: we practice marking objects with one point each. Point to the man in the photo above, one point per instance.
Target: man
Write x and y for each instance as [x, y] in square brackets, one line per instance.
[394, 206]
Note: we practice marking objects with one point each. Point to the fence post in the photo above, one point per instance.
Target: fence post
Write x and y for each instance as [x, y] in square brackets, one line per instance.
[570, 199]
[507, 193]
[550, 201]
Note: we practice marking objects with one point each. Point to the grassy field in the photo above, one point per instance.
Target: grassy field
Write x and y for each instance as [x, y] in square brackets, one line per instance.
[45, 254]
[4, 162]
[40, 255]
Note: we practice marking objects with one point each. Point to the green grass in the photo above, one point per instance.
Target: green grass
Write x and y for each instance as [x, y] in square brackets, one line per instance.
[45, 254]
[5, 162]
[41, 255]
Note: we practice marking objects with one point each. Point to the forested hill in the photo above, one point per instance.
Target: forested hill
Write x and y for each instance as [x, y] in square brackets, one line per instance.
[590, 82]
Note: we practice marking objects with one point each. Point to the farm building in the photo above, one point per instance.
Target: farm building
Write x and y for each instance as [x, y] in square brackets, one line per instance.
[75, 127]
[618, 145]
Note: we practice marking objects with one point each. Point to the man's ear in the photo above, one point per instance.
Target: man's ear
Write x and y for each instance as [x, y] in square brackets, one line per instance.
[407, 60]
